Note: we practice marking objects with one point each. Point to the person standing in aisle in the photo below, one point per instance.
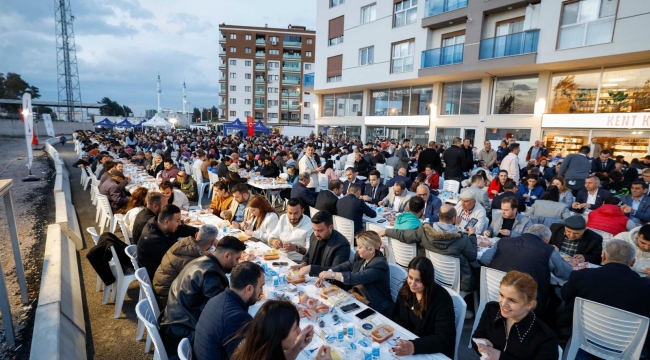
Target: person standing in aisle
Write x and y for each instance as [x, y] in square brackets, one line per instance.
[510, 163]
[575, 169]
[454, 158]
[308, 164]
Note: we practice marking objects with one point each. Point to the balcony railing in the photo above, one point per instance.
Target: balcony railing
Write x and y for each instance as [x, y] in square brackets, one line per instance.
[291, 81]
[286, 118]
[291, 56]
[222, 39]
[259, 67]
[260, 92]
[223, 78]
[260, 41]
[436, 7]
[223, 104]
[447, 55]
[290, 94]
[221, 66]
[292, 43]
[308, 79]
[259, 54]
[509, 45]
[259, 80]
[259, 105]
[291, 68]
[222, 52]
[290, 107]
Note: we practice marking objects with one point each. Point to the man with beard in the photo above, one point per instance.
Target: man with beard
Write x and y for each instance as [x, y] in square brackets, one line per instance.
[292, 231]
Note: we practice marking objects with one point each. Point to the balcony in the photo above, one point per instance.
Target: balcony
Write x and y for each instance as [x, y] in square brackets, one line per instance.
[286, 118]
[436, 7]
[308, 79]
[291, 94]
[448, 55]
[291, 68]
[292, 43]
[260, 41]
[223, 78]
[222, 52]
[259, 105]
[291, 81]
[222, 66]
[222, 39]
[509, 45]
[259, 67]
[290, 107]
[260, 54]
[260, 92]
[259, 80]
[222, 92]
[223, 104]
[291, 56]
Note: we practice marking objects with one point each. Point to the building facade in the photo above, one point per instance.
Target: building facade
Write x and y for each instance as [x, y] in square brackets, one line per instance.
[261, 74]
[564, 72]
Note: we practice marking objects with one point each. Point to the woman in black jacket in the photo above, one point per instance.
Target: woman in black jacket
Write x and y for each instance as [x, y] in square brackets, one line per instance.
[425, 308]
[369, 268]
[510, 328]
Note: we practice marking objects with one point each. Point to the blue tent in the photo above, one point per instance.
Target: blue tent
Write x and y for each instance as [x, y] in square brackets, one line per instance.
[260, 127]
[105, 123]
[234, 126]
[124, 123]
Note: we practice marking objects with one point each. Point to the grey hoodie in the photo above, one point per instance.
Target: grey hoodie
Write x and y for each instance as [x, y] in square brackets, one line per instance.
[444, 239]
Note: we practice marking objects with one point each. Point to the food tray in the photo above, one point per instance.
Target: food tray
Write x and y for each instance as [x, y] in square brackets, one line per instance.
[382, 333]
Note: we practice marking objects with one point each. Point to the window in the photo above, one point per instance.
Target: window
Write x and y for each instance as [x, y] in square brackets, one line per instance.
[587, 22]
[274, 64]
[247, 113]
[305, 117]
[272, 116]
[368, 13]
[307, 104]
[405, 12]
[403, 57]
[366, 56]
[421, 99]
[328, 105]
[308, 54]
[247, 88]
[233, 62]
[400, 101]
[274, 39]
[233, 75]
[355, 103]
[247, 101]
[334, 78]
[274, 52]
[233, 36]
[459, 98]
[248, 50]
[515, 95]
[233, 49]
[498, 134]
[233, 113]
[292, 39]
[233, 88]
[273, 78]
[248, 37]
[273, 103]
[334, 3]
[336, 30]
[273, 90]
[248, 63]
[336, 40]
[247, 76]
[307, 66]
[233, 100]
[310, 41]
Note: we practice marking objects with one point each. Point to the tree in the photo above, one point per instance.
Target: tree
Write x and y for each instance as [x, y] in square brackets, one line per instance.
[113, 108]
[13, 87]
[196, 114]
[44, 110]
[215, 113]
[127, 110]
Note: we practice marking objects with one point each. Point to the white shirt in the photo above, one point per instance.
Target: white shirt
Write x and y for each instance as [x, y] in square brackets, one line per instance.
[181, 200]
[511, 164]
[129, 217]
[397, 203]
[269, 223]
[308, 164]
[591, 199]
[297, 235]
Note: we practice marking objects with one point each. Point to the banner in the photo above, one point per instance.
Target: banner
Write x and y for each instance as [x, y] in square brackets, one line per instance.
[251, 126]
[29, 126]
[47, 120]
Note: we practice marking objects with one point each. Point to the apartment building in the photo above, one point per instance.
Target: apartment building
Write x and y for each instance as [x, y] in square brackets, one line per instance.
[261, 73]
[564, 72]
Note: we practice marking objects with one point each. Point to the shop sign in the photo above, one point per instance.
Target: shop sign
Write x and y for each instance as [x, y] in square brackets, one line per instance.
[597, 121]
[419, 120]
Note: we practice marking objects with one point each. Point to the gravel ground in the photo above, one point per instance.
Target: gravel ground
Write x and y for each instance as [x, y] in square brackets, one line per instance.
[33, 212]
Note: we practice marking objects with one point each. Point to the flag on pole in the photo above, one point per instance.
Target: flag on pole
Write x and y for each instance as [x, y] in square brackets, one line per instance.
[29, 126]
[251, 126]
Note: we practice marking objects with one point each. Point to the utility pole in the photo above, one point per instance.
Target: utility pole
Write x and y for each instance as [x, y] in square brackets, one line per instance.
[69, 91]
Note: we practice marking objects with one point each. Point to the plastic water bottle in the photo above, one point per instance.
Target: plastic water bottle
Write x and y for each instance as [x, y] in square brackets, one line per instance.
[375, 350]
[225, 230]
[350, 330]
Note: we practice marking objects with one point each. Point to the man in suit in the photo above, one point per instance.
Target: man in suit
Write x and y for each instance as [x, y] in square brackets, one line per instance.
[327, 247]
[351, 174]
[403, 155]
[603, 164]
[591, 197]
[575, 169]
[454, 159]
[401, 176]
[352, 207]
[595, 147]
[574, 239]
[614, 284]
[431, 157]
[377, 157]
[361, 166]
[327, 199]
[508, 223]
[397, 198]
[431, 203]
[302, 193]
[637, 204]
[375, 191]
[509, 190]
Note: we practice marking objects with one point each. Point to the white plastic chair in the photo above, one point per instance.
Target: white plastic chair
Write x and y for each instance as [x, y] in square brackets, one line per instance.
[345, 227]
[214, 178]
[402, 252]
[86, 178]
[460, 308]
[125, 230]
[200, 185]
[106, 214]
[490, 281]
[606, 332]
[185, 349]
[93, 234]
[397, 277]
[606, 236]
[389, 173]
[146, 288]
[451, 185]
[323, 182]
[188, 168]
[121, 285]
[447, 273]
[381, 168]
[313, 211]
[131, 251]
[145, 313]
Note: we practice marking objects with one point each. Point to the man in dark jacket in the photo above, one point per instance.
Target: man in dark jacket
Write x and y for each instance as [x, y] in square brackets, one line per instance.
[377, 157]
[352, 178]
[270, 169]
[327, 199]
[429, 156]
[375, 191]
[575, 168]
[201, 280]
[157, 238]
[361, 166]
[327, 247]
[454, 158]
[302, 192]
[353, 208]
[155, 201]
[509, 190]
[469, 155]
[113, 188]
[227, 313]
[603, 164]
[591, 197]
[222, 168]
[574, 239]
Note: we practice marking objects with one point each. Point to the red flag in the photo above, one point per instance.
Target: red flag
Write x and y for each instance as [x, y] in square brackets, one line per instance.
[20, 112]
[251, 126]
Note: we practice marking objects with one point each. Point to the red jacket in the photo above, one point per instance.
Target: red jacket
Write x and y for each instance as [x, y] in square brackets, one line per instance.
[608, 218]
[433, 181]
[494, 185]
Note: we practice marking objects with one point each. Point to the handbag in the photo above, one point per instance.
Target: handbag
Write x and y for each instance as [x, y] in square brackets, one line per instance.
[357, 292]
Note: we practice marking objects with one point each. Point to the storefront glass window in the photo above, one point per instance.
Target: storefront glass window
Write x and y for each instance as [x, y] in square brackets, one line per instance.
[418, 135]
[564, 141]
[328, 105]
[353, 132]
[396, 133]
[625, 90]
[461, 97]
[345, 131]
[379, 103]
[629, 143]
[341, 104]
[356, 104]
[398, 102]
[421, 98]
[450, 98]
[446, 136]
[500, 134]
[574, 93]
[515, 95]
[373, 132]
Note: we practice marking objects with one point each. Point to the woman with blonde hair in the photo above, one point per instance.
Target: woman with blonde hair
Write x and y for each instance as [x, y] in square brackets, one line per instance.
[264, 218]
[510, 328]
[566, 196]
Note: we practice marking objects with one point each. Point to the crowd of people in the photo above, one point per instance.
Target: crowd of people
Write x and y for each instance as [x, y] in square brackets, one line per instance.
[547, 218]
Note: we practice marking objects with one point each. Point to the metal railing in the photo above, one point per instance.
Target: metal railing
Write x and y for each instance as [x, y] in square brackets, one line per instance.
[437, 7]
[447, 55]
[308, 79]
[524, 42]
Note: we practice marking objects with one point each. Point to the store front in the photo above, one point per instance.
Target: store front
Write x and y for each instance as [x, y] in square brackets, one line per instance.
[624, 134]
[398, 128]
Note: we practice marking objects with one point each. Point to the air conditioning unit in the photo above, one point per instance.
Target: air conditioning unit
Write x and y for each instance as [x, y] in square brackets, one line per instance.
[273, 42]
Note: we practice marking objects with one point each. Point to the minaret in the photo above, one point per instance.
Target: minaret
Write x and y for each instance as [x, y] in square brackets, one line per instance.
[159, 107]
[184, 100]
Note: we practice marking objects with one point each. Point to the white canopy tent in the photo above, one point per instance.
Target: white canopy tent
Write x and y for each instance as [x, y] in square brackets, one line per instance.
[157, 121]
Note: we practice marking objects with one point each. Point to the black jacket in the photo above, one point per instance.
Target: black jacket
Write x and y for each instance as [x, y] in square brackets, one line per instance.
[139, 223]
[469, 158]
[496, 202]
[429, 157]
[601, 194]
[454, 158]
[597, 165]
[152, 246]
[222, 170]
[326, 200]
[302, 193]
[201, 280]
[362, 167]
[336, 251]
[523, 344]
[100, 255]
[350, 207]
[379, 194]
[590, 245]
[346, 185]
[436, 330]
[374, 280]
[271, 171]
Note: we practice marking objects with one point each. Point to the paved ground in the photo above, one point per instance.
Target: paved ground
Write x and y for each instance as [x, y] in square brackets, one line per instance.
[33, 212]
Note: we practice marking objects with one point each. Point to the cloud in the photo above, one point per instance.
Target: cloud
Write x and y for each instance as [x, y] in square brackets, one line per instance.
[188, 23]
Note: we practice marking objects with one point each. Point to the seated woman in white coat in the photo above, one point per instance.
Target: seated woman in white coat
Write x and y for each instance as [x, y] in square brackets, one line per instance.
[264, 220]
[550, 206]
